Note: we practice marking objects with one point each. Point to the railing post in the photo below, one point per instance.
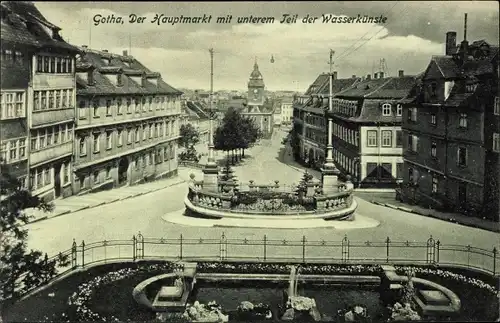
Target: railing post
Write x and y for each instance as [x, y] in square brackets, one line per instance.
[468, 255]
[303, 249]
[438, 244]
[73, 254]
[265, 247]
[495, 251]
[134, 242]
[83, 253]
[387, 242]
[142, 246]
[180, 247]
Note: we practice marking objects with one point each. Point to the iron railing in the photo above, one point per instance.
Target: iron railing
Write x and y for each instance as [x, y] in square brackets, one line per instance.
[224, 249]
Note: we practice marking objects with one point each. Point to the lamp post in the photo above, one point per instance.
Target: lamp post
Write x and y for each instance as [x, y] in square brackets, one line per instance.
[329, 171]
[211, 171]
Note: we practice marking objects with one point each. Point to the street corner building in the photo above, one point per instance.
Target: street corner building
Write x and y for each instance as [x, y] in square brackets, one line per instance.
[258, 107]
[37, 100]
[127, 123]
[451, 132]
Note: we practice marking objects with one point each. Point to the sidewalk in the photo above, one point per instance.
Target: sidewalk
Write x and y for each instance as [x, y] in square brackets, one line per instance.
[389, 200]
[77, 203]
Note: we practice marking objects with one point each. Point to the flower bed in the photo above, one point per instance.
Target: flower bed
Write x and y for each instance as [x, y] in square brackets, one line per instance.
[270, 268]
[479, 300]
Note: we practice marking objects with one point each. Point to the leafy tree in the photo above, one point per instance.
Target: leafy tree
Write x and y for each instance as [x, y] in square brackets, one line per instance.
[189, 136]
[301, 189]
[250, 134]
[20, 270]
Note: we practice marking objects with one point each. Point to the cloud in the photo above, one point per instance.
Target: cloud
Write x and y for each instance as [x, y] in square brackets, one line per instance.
[300, 50]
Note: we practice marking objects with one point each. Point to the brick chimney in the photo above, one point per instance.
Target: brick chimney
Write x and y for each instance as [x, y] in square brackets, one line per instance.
[401, 73]
[335, 75]
[125, 53]
[464, 45]
[380, 75]
[369, 77]
[451, 43]
[143, 80]
[354, 76]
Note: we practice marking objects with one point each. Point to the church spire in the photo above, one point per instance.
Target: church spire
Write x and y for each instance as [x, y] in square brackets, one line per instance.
[255, 65]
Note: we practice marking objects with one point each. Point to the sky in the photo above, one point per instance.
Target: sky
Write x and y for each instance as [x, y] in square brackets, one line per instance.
[412, 33]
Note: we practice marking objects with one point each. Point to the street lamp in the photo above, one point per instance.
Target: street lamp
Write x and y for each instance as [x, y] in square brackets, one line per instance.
[211, 171]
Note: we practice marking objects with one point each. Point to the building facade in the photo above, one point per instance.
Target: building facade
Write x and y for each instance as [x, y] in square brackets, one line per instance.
[257, 107]
[48, 63]
[277, 112]
[367, 133]
[286, 110]
[127, 123]
[451, 132]
[310, 120]
[199, 118]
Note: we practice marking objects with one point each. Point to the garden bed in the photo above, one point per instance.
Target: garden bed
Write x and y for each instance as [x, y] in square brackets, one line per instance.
[105, 292]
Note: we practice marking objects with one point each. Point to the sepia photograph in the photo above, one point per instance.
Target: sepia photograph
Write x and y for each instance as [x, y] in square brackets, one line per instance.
[249, 161]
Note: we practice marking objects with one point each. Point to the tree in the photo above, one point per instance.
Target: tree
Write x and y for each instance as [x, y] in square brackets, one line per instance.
[250, 134]
[20, 269]
[301, 189]
[189, 136]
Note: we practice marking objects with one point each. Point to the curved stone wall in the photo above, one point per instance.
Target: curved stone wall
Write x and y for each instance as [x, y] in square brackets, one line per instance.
[338, 214]
[139, 292]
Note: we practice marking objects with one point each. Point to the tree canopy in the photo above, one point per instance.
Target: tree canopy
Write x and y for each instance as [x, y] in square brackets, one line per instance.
[20, 269]
[189, 136]
[236, 132]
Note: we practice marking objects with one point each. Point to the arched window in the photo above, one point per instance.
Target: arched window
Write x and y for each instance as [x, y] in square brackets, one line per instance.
[386, 109]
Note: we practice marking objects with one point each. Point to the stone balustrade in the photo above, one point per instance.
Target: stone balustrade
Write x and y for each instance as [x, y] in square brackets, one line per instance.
[272, 199]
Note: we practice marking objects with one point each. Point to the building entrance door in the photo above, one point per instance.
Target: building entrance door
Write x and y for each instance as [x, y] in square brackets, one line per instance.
[123, 171]
[57, 180]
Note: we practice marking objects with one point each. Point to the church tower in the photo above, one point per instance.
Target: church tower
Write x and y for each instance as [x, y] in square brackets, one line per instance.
[256, 86]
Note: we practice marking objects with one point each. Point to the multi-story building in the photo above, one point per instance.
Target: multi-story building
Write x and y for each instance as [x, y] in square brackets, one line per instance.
[310, 123]
[286, 110]
[451, 132]
[47, 71]
[199, 118]
[277, 112]
[367, 132]
[127, 124]
[257, 107]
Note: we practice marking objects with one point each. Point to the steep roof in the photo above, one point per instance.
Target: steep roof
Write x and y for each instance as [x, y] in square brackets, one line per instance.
[24, 24]
[320, 80]
[381, 88]
[128, 66]
[197, 108]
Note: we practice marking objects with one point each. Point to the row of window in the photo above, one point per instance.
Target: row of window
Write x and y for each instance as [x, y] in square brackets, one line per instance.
[12, 56]
[54, 64]
[348, 135]
[12, 105]
[149, 131]
[44, 175]
[52, 99]
[126, 105]
[315, 120]
[387, 110]
[386, 136]
[412, 178]
[316, 136]
[13, 150]
[346, 163]
[346, 107]
[413, 146]
[51, 136]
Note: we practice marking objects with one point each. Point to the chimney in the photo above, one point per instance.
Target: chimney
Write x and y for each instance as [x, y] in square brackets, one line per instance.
[84, 46]
[369, 77]
[401, 73]
[125, 53]
[143, 80]
[105, 50]
[354, 76]
[380, 75]
[464, 46]
[335, 75]
[451, 43]
[375, 75]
